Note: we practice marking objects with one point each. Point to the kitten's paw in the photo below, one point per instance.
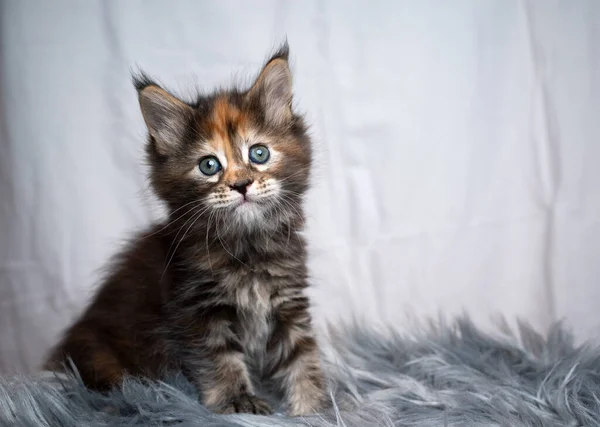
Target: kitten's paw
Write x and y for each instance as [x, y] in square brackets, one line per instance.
[308, 405]
[247, 403]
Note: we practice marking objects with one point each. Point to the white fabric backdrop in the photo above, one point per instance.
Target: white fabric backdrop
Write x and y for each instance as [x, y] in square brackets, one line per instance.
[458, 150]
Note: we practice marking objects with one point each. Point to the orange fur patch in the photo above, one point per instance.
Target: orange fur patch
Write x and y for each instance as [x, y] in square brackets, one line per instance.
[226, 115]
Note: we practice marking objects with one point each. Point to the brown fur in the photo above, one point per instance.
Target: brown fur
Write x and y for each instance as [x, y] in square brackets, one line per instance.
[218, 288]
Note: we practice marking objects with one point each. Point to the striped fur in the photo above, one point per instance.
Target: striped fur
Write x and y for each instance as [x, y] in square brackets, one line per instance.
[219, 287]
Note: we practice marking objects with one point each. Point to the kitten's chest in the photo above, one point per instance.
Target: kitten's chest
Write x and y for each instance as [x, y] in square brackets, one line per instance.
[252, 298]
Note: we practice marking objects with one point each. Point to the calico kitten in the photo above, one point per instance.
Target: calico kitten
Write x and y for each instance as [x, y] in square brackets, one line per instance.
[220, 283]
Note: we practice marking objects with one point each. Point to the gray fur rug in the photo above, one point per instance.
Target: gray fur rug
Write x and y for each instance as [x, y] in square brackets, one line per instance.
[452, 375]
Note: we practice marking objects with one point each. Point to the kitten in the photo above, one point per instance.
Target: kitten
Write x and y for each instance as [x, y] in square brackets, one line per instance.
[221, 282]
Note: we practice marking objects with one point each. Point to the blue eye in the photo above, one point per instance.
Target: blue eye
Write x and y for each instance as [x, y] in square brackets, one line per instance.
[259, 154]
[209, 165]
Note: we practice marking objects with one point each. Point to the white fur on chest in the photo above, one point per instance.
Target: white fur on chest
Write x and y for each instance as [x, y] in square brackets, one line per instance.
[253, 301]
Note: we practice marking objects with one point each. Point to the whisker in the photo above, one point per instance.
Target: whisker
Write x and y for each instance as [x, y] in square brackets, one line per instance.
[298, 172]
[184, 224]
[200, 211]
[293, 193]
[226, 250]
[207, 249]
[289, 203]
[197, 217]
[270, 237]
[198, 202]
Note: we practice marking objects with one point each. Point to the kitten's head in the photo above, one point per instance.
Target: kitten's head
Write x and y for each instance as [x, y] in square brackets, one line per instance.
[242, 156]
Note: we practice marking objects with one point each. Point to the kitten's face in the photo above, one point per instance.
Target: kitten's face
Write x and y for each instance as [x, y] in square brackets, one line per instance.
[242, 158]
[247, 170]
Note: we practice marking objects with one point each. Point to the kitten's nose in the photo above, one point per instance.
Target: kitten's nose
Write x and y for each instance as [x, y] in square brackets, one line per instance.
[241, 186]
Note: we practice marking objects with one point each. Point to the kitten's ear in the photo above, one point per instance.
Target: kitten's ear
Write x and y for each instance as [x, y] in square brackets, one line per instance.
[166, 116]
[273, 88]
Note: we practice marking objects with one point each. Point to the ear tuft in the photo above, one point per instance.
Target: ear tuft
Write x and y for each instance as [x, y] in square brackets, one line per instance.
[166, 117]
[273, 88]
[283, 52]
[140, 80]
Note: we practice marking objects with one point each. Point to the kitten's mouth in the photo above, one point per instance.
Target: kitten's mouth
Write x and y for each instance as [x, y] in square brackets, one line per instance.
[248, 201]
[245, 201]
[248, 205]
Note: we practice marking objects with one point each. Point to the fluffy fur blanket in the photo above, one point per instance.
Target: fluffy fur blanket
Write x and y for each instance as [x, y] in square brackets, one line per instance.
[452, 375]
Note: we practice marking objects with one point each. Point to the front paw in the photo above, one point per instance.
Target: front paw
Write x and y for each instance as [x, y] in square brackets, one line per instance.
[308, 405]
[246, 403]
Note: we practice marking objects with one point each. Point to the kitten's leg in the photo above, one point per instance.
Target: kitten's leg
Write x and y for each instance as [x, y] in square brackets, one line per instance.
[98, 367]
[216, 364]
[226, 386]
[293, 358]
